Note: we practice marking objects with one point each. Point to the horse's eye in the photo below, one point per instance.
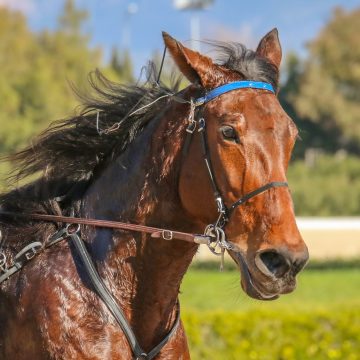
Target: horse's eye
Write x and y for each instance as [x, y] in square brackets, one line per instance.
[229, 133]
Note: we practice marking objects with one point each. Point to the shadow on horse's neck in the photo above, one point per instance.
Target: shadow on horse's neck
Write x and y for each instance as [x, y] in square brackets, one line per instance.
[141, 187]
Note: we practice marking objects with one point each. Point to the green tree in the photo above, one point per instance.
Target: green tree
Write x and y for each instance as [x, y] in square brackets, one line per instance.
[72, 19]
[36, 69]
[121, 64]
[312, 134]
[329, 90]
[18, 49]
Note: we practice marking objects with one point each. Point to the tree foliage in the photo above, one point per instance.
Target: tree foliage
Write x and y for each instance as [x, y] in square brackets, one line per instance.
[121, 64]
[329, 88]
[37, 71]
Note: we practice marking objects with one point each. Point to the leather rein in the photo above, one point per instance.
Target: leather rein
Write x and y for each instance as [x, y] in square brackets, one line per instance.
[214, 235]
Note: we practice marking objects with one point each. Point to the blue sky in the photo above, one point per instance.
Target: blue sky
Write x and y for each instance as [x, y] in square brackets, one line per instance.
[298, 21]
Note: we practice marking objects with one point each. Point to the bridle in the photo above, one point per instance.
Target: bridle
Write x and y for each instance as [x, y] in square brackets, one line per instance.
[213, 237]
[216, 230]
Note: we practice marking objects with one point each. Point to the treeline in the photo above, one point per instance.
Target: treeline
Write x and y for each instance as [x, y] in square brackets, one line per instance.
[38, 71]
[321, 94]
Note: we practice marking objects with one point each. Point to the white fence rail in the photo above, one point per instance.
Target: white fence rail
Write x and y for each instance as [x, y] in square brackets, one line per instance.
[326, 238]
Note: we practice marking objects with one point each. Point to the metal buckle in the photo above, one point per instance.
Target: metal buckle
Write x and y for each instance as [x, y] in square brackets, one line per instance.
[142, 356]
[33, 251]
[201, 124]
[3, 265]
[192, 122]
[191, 127]
[220, 205]
[28, 252]
[167, 235]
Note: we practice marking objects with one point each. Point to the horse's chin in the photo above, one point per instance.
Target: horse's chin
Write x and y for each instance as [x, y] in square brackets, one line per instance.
[250, 286]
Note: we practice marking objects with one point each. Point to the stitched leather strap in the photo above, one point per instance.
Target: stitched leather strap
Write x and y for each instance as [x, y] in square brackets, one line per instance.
[114, 308]
[153, 231]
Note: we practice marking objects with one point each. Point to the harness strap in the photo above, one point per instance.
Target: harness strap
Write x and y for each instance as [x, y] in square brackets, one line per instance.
[206, 155]
[35, 248]
[153, 231]
[20, 259]
[112, 305]
[105, 295]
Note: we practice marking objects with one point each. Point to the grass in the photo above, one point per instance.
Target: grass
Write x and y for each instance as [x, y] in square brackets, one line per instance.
[204, 290]
[320, 320]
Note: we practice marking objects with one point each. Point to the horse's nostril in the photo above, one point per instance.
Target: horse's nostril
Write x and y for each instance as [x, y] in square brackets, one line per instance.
[275, 263]
[299, 264]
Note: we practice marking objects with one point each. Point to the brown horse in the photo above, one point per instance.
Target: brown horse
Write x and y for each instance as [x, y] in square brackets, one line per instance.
[123, 159]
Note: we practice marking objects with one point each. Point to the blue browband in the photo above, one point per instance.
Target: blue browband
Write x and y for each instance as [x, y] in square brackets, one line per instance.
[233, 86]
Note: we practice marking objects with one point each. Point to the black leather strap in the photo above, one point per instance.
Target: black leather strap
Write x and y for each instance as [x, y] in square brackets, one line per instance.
[223, 210]
[206, 155]
[257, 192]
[112, 305]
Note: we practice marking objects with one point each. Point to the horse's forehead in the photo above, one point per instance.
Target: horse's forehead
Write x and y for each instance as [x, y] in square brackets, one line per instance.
[251, 106]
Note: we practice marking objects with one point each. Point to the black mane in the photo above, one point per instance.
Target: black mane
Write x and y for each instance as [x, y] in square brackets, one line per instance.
[247, 63]
[70, 151]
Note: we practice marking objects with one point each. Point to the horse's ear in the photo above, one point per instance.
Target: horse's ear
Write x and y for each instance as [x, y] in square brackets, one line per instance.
[199, 69]
[270, 48]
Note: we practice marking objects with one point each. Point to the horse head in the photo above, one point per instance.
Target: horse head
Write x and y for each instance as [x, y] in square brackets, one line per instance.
[249, 139]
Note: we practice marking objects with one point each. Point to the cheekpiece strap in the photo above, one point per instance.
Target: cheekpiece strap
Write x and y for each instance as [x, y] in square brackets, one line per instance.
[233, 86]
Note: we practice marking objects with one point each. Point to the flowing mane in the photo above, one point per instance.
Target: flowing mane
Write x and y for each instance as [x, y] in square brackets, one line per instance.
[71, 151]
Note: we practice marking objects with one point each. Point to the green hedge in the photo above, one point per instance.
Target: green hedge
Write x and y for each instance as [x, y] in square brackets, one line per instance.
[263, 335]
[330, 187]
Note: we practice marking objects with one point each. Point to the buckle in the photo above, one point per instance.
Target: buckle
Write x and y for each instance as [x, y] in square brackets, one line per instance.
[220, 205]
[191, 127]
[142, 356]
[28, 252]
[201, 124]
[167, 235]
[3, 265]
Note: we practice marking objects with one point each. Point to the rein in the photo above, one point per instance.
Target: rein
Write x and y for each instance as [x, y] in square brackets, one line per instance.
[153, 231]
[213, 237]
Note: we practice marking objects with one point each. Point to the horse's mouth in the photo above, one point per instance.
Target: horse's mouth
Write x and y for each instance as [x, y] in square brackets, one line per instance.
[249, 285]
[247, 282]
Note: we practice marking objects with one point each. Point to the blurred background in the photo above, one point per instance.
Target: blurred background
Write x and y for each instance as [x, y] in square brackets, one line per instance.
[46, 46]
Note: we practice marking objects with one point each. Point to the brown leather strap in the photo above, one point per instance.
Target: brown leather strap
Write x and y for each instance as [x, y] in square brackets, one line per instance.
[153, 231]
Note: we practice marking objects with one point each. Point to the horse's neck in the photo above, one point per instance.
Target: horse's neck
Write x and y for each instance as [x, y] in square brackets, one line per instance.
[143, 273]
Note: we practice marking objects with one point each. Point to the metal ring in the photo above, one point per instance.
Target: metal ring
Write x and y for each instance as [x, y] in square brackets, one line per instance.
[69, 231]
